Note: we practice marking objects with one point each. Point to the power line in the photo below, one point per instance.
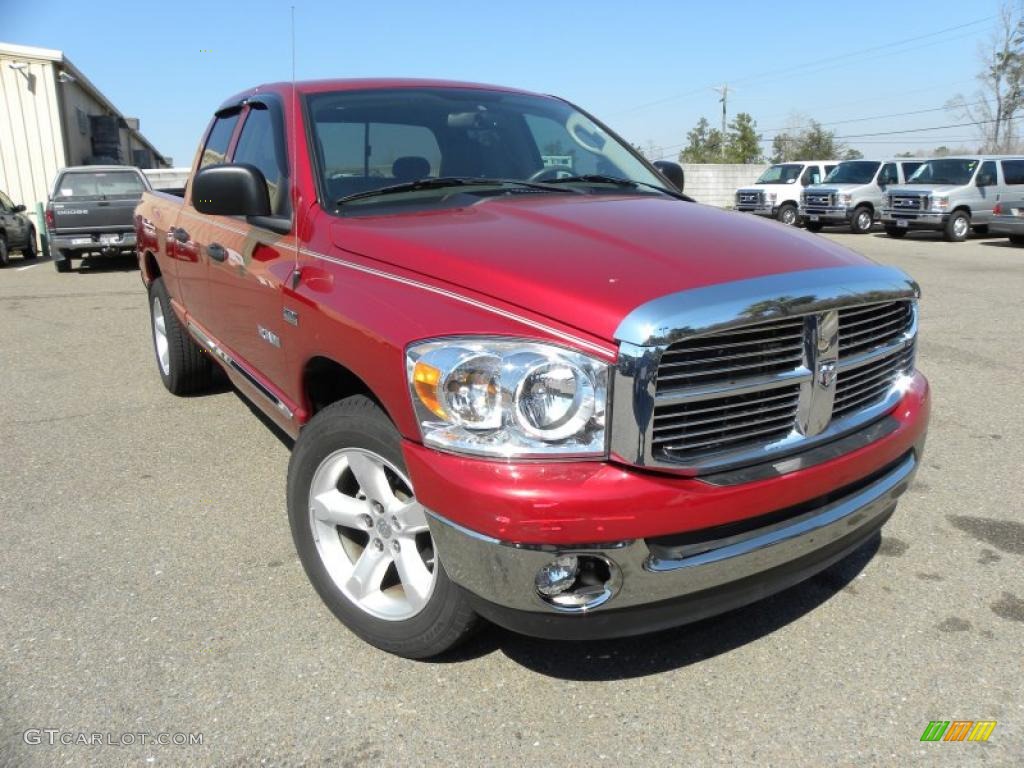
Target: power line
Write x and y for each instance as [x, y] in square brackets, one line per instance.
[803, 66]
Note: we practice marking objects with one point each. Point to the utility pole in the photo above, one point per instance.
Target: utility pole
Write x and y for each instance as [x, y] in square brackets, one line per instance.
[724, 91]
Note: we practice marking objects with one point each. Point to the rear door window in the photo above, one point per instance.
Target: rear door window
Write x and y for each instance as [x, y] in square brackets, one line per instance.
[1013, 171]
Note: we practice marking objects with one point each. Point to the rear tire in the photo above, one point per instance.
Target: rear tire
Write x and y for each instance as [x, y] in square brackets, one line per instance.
[862, 220]
[183, 366]
[5, 255]
[383, 581]
[1017, 239]
[63, 264]
[957, 227]
[788, 215]
[897, 233]
[813, 226]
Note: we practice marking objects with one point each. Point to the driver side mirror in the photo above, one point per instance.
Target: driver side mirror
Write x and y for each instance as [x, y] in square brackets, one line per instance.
[18, 209]
[671, 171]
[231, 189]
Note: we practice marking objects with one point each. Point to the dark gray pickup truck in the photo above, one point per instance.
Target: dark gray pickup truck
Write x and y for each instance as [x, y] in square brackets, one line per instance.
[90, 211]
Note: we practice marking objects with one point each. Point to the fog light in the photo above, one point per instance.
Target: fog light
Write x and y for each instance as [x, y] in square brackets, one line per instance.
[578, 583]
[558, 575]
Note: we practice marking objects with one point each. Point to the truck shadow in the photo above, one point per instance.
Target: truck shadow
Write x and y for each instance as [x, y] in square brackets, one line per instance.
[633, 657]
[98, 264]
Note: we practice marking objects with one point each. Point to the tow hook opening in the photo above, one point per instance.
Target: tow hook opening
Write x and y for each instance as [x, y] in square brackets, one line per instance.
[576, 583]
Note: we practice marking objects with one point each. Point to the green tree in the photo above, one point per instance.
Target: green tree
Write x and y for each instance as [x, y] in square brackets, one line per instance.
[812, 142]
[853, 154]
[705, 144]
[743, 142]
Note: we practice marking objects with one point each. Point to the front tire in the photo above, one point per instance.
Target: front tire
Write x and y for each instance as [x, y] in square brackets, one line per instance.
[183, 366]
[863, 218]
[788, 215]
[363, 539]
[29, 251]
[957, 227]
[5, 255]
[1017, 239]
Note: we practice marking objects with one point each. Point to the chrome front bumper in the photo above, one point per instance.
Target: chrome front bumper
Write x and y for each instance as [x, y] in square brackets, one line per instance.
[502, 574]
[913, 218]
[832, 213]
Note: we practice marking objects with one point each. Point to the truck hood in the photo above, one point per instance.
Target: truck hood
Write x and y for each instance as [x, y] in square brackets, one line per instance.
[585, 261]
[835, 187]
[924, 189]
[766, 187]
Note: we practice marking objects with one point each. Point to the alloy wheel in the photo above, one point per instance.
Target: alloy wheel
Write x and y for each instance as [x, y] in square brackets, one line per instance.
[372, 534]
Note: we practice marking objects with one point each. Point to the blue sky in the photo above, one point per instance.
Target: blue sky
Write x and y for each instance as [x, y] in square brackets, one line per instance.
[646, 68]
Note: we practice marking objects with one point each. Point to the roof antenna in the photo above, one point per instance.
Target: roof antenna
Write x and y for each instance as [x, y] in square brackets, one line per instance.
[296, 273]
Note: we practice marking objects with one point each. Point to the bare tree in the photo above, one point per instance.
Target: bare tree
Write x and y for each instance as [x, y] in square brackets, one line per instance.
[995, 105]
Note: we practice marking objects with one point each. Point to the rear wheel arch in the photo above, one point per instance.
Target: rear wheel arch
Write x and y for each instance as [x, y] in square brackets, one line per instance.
[151, 269]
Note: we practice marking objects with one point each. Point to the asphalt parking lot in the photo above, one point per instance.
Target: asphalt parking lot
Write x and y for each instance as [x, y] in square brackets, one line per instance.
[148, 582]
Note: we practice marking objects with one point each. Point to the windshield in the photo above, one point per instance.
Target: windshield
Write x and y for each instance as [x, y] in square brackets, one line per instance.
[372, 140]
[853, 172]
[948, 170]
[103, 185]
[787, 173]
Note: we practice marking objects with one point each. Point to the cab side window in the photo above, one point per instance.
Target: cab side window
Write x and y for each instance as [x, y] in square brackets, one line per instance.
[261, 144]
[888, 175]
[909, 168]
[220, 137]
[811, 176]
[987, 174]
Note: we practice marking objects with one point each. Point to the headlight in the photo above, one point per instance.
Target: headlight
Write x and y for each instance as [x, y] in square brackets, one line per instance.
[512, 399]
[939, 203]
[771, 197]
[845, 198]
[888, 201]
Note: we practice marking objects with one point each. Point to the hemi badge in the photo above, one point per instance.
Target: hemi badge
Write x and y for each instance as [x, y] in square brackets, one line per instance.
[291, 316]
[269, 336]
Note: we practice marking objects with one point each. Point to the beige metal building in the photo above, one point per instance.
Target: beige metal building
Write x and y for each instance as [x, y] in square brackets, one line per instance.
[51, 116]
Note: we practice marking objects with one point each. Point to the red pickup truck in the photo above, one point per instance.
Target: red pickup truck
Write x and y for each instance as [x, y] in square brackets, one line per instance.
[528, 379]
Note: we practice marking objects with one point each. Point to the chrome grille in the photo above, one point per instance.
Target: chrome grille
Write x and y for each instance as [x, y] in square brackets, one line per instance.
[725, 422]
[818, 199]
[755, 350]
[755, 197]
[864, 328]
[740, 388]
[908, 202]
[865, 385]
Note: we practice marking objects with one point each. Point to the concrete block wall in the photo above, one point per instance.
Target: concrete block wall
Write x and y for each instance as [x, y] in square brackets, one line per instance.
[716, 184]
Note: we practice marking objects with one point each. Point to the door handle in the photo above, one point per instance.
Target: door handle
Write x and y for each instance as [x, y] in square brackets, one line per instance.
[217, 252]
[180, 235]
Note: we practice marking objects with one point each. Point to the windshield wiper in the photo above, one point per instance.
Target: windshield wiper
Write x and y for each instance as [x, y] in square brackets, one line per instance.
[597, 178]
[445, 181]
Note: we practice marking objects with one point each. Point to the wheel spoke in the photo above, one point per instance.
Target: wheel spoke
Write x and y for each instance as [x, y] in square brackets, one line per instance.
[411, 518]
[413, 572]
[339, 509]
[371, 478]
[368, 573]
